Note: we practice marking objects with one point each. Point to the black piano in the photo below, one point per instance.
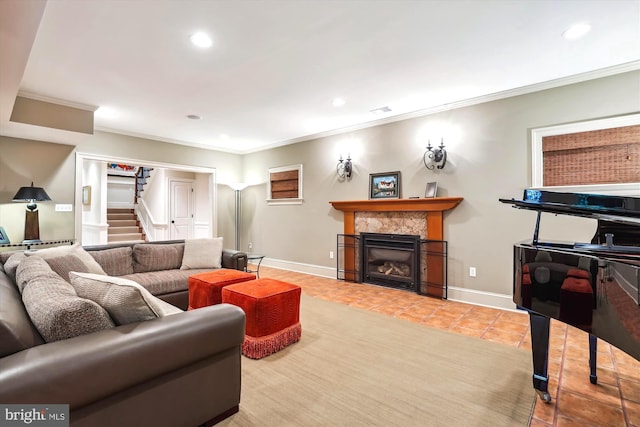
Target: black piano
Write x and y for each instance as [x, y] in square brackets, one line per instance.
[594, 286]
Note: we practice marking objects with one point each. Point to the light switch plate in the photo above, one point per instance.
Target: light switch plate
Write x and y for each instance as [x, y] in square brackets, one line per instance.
[64, 207]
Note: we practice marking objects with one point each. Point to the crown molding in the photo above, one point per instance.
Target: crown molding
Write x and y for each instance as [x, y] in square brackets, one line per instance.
[51, 100]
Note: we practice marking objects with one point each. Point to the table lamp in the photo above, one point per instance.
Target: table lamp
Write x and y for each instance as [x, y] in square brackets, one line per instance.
[31, 195]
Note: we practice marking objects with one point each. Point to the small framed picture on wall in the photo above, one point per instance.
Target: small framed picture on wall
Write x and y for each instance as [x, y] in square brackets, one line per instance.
[86, 195]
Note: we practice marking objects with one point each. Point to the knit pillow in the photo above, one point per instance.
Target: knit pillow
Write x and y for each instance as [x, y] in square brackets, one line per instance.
[64, 264]
[125, 300]
[156, 257]
[12, 263]
[115, 261]
[55, 309]
[90, 263]
[202, 253]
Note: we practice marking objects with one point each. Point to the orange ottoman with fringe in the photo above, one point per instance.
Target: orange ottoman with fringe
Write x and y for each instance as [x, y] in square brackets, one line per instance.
[205, 289]
[272, 308]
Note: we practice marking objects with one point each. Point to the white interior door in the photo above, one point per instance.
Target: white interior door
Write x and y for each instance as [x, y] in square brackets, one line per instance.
[181, 209]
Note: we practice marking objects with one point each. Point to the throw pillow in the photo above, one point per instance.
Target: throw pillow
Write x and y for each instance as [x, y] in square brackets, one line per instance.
[157, 256]
[125, 300]
[64, 264]
[54, 307]
[12, 263]
[115, 261]
[75, 249]
[202, 253]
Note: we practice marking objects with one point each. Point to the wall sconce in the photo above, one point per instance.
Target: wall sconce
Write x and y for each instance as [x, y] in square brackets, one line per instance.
[31, 195]
[344, 168]
[435, 157]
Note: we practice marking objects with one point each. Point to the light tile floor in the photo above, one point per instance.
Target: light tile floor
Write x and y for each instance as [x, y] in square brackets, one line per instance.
[614, 401]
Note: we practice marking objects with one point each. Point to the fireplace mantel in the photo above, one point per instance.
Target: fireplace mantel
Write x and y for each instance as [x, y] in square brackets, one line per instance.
[433, 208]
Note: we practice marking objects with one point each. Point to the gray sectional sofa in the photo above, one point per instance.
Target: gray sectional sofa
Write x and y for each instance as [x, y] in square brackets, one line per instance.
[178, 369]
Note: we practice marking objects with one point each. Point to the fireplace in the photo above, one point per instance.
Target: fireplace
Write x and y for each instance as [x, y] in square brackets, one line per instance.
[424, 217]
[391, 260]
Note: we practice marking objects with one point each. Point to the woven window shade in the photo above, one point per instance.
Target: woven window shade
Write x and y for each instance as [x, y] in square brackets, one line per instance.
[607, 156]
[284, 185]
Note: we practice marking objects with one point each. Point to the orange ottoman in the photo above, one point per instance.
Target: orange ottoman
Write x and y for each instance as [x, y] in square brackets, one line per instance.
[272, 308]
[205, 288]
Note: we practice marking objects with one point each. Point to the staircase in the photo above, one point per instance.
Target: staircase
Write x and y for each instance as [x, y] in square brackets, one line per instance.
[124, 226]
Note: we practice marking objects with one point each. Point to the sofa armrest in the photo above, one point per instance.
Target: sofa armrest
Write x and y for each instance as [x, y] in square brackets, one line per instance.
[87, 368]
[236, 260]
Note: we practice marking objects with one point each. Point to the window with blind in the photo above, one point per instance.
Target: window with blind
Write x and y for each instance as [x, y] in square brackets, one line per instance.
[600, 155]
[284, 185]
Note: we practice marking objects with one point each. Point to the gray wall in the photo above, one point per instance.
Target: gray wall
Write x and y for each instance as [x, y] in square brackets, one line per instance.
[489, 159]
[52, 166]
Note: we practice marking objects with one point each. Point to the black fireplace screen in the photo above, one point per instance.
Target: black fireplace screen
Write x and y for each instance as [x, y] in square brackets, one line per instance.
[394, 260]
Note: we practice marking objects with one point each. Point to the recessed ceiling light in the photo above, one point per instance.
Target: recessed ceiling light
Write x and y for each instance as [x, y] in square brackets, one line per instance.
[338, 102]
[201, 39]
[106, 113]
[193, 117]
[576, 31]
[381, 110]
[224, 136]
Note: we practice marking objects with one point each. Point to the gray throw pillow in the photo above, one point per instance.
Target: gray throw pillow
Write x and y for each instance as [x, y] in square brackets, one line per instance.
[64, 264]
[75, 249]
[55, 309]
[125, 300]
[202, 253]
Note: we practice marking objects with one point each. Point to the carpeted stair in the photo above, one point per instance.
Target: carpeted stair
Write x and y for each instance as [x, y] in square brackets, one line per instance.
[124, 226]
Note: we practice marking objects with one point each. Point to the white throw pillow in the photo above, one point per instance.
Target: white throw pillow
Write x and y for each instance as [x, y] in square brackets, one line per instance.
[125, 300]
[76, 249]
[202, 253]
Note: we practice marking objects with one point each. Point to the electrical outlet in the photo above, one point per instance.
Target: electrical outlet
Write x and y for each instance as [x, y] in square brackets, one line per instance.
[250, 245]
[472, 272]
[330, 254]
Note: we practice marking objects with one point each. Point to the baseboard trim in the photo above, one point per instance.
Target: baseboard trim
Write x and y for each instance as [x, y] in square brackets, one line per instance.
[487, 299]
[299, 267]
[469, 296]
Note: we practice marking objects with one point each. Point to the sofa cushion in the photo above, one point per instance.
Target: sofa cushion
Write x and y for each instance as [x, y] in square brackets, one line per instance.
[115, 261]
[17, 333]
[165, 282]
[55, 309]
[74, 249]
[125, 300]
[157, 257]
[202, 253]
[64, 264]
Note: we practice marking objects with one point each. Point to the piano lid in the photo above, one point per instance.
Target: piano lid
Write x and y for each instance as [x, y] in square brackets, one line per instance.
[624, 209]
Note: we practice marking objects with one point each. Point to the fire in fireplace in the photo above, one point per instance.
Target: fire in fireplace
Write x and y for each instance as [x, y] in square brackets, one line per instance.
[390, 260]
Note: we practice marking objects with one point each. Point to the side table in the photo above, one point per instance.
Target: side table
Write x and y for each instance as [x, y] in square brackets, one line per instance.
[254, 257]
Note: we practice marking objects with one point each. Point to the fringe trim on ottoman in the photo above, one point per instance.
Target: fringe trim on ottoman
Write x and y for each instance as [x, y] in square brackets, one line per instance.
[259, 347]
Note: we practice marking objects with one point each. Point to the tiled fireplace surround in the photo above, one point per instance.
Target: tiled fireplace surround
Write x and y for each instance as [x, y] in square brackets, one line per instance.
[422, 217]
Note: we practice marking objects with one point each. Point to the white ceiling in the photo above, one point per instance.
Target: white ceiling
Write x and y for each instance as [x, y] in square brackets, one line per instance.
[276, 65]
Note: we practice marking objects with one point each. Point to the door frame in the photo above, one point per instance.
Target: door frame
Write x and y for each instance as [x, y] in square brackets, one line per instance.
[81, 157]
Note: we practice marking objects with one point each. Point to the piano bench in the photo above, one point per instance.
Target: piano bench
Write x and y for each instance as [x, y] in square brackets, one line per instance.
[576, 302]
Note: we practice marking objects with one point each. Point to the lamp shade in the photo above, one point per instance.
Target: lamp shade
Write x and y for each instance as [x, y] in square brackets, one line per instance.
[28, 194]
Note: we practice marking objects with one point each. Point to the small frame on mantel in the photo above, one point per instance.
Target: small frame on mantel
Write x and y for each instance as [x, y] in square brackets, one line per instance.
[384, 185]
[431, 190]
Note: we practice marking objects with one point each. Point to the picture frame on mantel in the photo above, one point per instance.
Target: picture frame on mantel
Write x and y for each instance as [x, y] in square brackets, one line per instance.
[431, 190]
[384, 185]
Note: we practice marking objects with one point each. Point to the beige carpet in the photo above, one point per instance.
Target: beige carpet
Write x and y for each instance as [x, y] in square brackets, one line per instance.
[357, 368]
